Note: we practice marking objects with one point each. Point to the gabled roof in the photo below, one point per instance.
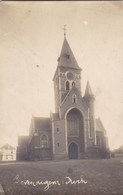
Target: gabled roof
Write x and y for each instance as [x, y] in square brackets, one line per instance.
[42, 123]
[99, 125]
[88, 90]
[7, 146]
[67, 58]
[73, 90]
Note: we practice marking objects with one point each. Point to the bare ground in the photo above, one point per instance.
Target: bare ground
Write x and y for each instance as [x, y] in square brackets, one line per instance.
[74, 177]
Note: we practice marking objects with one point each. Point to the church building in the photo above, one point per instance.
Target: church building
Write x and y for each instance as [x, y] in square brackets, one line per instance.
[72, 132]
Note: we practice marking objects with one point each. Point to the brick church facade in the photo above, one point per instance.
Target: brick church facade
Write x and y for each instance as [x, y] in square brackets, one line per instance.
[72, 132]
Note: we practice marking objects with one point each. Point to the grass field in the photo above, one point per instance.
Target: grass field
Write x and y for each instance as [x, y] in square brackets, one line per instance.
[74, 177]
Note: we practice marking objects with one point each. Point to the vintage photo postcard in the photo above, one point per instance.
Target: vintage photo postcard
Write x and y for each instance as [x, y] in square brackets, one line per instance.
[61, 99]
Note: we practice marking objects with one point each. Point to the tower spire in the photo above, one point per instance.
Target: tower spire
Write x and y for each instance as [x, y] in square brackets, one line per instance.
[88, 90]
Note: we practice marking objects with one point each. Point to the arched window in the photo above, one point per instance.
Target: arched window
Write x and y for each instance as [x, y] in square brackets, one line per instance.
[74, 98]
[35, 132]
[73, 83]
[67, 85]
[44, 141]
[73, 125]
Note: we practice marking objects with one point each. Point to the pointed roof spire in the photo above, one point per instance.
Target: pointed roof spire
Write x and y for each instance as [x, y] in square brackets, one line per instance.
[88, 91]
[67, 58]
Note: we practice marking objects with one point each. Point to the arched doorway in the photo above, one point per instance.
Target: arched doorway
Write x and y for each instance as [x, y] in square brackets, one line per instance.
[73, 151]
[75, 133]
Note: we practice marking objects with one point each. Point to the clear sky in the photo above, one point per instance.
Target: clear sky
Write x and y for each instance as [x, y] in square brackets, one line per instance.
[31, 34]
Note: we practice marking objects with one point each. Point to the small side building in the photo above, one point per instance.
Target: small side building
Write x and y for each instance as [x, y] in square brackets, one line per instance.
[7, 153]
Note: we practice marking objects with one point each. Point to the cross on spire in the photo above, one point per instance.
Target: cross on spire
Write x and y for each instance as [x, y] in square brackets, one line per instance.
[65, 29]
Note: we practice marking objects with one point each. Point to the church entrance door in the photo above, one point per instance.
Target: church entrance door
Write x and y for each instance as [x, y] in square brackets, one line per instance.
[73, 151]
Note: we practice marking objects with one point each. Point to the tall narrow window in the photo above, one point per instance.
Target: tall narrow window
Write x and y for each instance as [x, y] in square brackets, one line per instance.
[57, 129]
[98, 140]
[74, 98]
[73, 83]
[44, 141]
[35, 132]
[91, 126]
[67, 85]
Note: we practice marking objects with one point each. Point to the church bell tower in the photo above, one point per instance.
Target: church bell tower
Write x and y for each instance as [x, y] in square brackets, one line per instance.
[67, 75]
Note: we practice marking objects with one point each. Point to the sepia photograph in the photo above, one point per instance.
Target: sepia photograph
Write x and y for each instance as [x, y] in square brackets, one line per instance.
[61, 99]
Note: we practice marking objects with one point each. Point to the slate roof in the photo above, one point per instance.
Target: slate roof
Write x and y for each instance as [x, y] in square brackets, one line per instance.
[67, 58]
[23, 140]
[42, 123]
[99, 125]
[7, 146]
